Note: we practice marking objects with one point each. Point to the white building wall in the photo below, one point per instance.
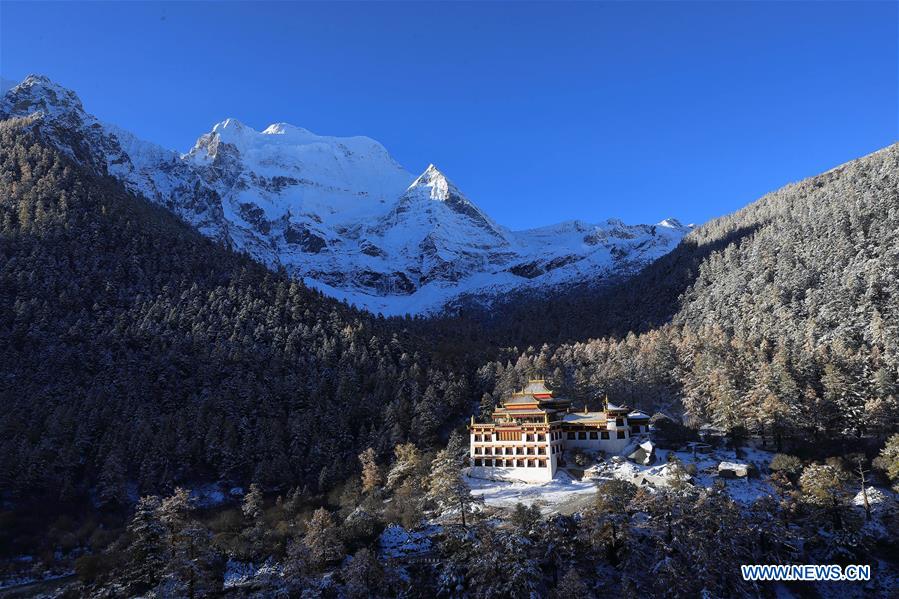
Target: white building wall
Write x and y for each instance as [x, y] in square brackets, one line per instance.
[527, 474]
[534, 475]
[562, 446]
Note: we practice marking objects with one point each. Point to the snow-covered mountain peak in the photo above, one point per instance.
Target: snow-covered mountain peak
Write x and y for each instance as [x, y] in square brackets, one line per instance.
[37, 93]
[339, 212]
[434, 201]
[435, 184]
[673, 223]
[287, 129]
[230, 126]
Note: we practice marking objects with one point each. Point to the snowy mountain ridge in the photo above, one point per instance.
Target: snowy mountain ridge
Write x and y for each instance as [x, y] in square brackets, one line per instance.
[339, 212]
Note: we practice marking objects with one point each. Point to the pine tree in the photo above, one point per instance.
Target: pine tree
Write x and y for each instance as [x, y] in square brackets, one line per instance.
[252, 505]
[363, 576]
[486, 407]
[446, 487]
[297, 564]
[111, 486]
[191, 570]
[571, 585]
[888, 460]
[371, 473]
[146, 554]
[322, 540]
[824, 485]
[407, 461]
[613, 500]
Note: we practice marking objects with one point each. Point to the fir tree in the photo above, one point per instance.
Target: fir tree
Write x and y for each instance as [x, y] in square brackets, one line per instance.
[252, 507]
[146, 554]
[322, 540]
[888, 460]
[371, 473]
[446, 487]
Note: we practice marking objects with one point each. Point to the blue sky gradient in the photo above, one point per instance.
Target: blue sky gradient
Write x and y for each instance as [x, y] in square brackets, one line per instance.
[540, 112]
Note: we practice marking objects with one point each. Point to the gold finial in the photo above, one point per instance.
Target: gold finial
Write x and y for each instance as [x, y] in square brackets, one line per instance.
[605, 402]
[472, 418]
[585, 408]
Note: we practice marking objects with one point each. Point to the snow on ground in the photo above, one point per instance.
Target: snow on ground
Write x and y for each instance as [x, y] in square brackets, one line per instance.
[566, 494]
[238, 573]
[744, 490]
[547, 496]
[397, 542]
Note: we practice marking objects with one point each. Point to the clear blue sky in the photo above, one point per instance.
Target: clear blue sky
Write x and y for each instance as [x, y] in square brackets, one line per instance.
[539, 112]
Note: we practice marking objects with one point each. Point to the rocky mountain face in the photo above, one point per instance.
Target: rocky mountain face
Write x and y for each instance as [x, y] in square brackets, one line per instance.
[339, 212]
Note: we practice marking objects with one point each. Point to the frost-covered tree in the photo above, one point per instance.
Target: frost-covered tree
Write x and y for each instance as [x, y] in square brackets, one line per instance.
[571, 585]
[609, 527]
[371, 472]
[499, 565]
[193, 567]
[407, 462]
[146, 554]
[363, 576]
[788, 465]
[824, 486]
[888, 460]
[447, 489]
[322, 539]
[252, 506]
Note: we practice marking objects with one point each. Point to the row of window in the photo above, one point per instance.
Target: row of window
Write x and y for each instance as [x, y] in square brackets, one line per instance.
[593, 435]
[583, 435]
[510, 450]
[532, 438]
[510, 463]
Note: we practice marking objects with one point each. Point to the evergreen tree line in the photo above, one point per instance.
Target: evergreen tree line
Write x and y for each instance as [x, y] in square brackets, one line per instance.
[780, 318]
[676, 541]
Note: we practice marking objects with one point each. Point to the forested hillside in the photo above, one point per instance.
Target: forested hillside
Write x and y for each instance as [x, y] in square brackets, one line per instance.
[136, 354]
[780, 318]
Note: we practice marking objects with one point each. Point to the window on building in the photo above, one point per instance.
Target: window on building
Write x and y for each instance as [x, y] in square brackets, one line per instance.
[594, 435]
[488, 451]
[530, 437]
[582, 436]
[541, 437]
[604, 434]
[478, 450]
[571, 436]
[530, 463]
[621, 434]
[519, 463]
[477, 462]
[542, 463]
[541, 450]
[619, 422]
